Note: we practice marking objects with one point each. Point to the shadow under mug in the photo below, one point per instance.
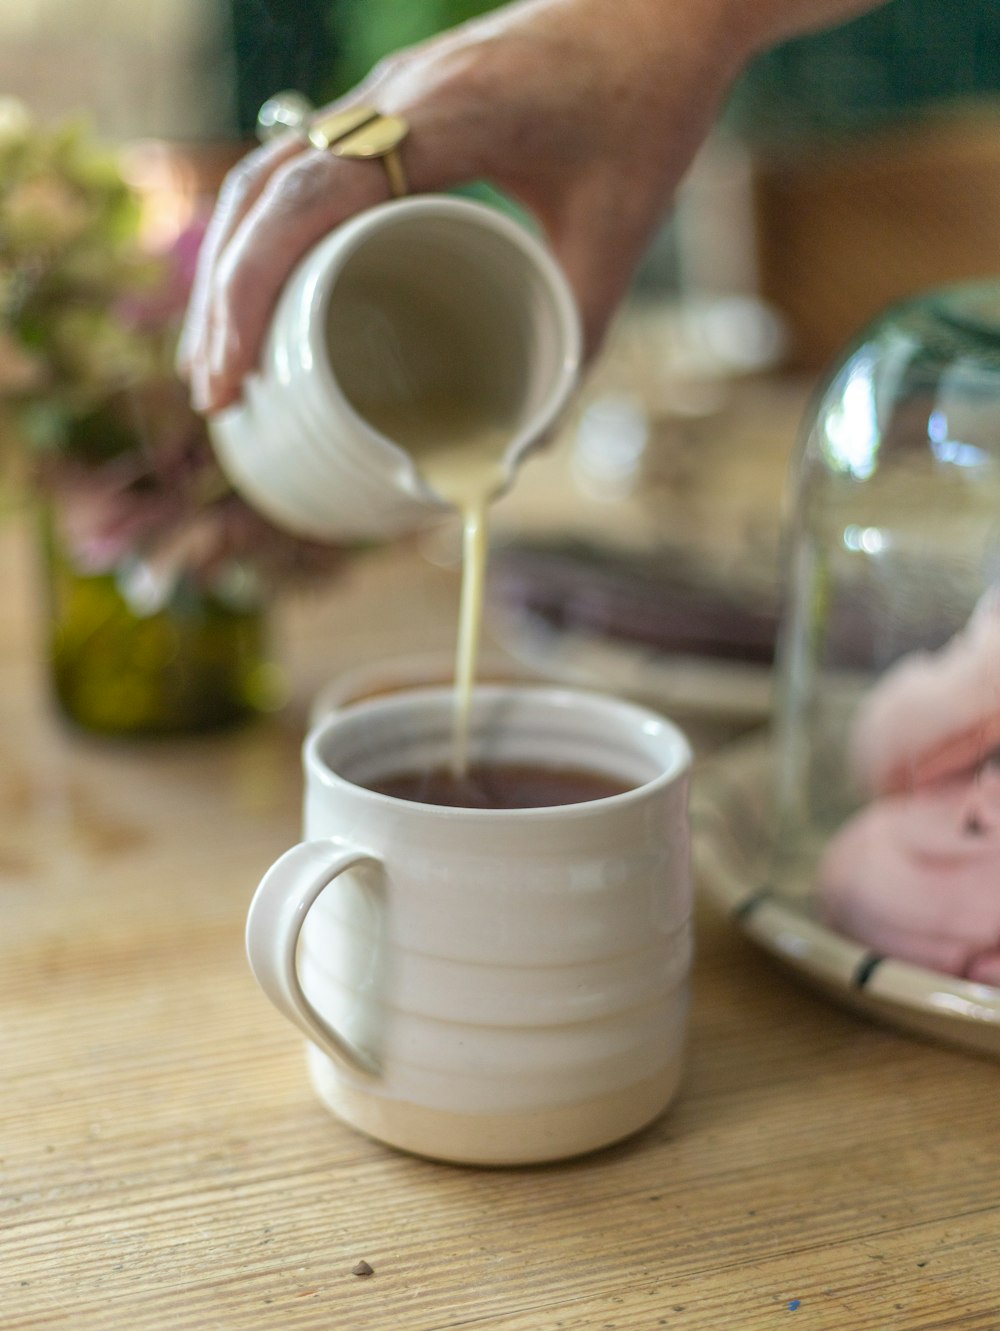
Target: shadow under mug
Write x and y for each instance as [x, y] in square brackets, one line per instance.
[487, 986]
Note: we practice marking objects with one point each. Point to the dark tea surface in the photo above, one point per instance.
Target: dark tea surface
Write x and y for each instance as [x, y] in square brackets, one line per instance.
[501, 786]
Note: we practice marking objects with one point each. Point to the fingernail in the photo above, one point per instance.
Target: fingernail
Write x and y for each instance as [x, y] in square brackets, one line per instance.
[225, 349]
[223, 394]
[201, 389]
[182, 355]
[216, 352]
[223, 355]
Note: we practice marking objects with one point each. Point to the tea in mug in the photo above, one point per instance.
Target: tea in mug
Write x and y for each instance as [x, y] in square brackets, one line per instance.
[501, 786]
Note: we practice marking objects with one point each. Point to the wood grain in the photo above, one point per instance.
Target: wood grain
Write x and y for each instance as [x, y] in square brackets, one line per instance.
[165, 1165]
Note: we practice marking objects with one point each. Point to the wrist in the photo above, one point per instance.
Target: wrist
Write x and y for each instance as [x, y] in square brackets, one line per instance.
[721, 35]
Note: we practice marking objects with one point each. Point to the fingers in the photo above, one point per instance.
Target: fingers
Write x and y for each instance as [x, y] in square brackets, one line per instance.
[277, 203]
[303, 199]
[285, 196]
[242, 187]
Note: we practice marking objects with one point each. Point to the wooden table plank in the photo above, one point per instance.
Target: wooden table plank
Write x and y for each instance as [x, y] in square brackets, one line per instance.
[165, 1164]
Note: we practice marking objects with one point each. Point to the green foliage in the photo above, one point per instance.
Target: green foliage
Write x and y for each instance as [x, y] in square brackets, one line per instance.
[198, 663]
[894, 62]
[70, 263]
[367, 30]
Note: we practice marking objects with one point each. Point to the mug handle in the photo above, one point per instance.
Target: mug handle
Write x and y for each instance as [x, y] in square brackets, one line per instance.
[277, 913]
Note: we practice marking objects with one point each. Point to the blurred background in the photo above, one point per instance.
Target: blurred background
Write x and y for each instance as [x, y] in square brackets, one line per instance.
[847, 171]
[850, 168]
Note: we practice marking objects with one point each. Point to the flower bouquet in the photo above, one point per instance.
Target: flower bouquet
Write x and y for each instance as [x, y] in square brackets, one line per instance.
[157, 572]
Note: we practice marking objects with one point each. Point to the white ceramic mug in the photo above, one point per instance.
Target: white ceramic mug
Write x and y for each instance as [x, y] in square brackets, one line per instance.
[487, 986]
[430, 295]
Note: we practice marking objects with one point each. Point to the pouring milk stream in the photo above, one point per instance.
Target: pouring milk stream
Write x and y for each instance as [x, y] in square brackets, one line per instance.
[461, 459]
[416, 354]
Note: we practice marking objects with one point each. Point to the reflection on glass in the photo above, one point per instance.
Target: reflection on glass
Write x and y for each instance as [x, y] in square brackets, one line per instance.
[888, 712]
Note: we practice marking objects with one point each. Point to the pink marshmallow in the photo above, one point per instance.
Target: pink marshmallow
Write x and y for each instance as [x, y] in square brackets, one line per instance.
[917, 876]
[933, 715]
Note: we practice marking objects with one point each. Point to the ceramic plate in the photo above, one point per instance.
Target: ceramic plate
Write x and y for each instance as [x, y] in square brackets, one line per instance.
[731, 842]
[677, 684]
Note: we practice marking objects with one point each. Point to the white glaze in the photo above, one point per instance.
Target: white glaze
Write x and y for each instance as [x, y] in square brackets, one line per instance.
[295, 447]
[494, 967]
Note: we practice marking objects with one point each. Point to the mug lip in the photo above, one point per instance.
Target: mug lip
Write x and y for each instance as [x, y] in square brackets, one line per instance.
[552, 696]
[345, 239]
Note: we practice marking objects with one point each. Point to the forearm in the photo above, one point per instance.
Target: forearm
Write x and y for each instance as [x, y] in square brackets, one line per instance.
[718, 36]
[740, 26]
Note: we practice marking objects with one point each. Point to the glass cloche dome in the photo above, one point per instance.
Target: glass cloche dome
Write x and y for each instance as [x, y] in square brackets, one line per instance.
[887, 741]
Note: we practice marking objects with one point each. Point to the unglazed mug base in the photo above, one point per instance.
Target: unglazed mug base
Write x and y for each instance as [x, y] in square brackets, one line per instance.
[531, 1137]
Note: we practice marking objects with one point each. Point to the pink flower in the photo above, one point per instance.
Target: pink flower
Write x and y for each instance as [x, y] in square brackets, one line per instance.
[166, 504]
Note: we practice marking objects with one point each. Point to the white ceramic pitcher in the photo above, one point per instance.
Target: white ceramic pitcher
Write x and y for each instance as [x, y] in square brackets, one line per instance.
[426, 294]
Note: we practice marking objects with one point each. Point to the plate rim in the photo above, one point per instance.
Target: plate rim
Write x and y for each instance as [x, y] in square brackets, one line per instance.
[915, 997]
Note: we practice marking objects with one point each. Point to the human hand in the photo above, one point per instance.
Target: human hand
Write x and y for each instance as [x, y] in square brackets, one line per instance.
[162, 513]
[587, 113]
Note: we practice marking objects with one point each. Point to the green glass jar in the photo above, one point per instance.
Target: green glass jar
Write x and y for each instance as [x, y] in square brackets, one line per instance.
[199, 662]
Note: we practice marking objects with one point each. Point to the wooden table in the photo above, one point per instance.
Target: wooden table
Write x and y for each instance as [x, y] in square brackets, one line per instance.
[165, 1164]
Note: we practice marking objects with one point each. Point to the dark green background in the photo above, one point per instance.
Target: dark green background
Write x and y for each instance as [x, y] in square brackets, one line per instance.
[895, 62]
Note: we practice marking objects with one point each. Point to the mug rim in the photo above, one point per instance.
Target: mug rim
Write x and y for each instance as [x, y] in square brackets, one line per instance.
[552, 696]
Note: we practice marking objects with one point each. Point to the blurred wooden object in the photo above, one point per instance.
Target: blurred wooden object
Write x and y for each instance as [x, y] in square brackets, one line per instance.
[132, 69]
[845, 231]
